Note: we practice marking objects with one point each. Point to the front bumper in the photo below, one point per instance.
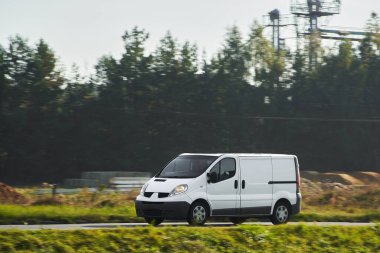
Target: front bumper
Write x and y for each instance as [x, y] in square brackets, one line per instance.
[176, 210]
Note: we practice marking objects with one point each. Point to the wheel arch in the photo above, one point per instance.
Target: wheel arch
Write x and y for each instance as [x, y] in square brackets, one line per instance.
[203, 201]
[285, 201]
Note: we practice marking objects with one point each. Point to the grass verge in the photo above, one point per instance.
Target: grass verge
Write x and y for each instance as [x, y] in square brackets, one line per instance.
[15, 214]
[287, 238]
[365, 216]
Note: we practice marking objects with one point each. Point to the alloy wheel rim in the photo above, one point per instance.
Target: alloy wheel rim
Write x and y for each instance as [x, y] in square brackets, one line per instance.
[199, 214]
[282, 213]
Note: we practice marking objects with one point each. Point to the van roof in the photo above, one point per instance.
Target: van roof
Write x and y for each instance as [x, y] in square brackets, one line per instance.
[240, 154]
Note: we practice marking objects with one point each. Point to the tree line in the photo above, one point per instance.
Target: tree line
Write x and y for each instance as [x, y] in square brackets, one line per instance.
[143, 108]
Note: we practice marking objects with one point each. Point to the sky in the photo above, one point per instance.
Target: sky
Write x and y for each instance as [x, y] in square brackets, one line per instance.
[81, 31]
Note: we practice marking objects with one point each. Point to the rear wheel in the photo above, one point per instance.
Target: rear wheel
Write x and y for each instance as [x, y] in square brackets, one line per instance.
[281, 213]
[198, 214]
[153, 221]
[237, 220]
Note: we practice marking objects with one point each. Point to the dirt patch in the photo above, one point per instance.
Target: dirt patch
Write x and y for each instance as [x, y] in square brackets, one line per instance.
[344, 178]
[367, 177]
[8, 195]
[341, 189]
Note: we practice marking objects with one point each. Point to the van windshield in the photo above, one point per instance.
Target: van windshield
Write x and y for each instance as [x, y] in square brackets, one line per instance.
[189, 166]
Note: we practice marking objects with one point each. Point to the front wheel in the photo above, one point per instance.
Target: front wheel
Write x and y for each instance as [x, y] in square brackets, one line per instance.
[281, 214]
[198, 214]
[154, 221]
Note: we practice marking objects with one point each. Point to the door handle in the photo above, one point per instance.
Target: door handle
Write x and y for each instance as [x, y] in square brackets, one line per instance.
[243, 184]
[236, 184]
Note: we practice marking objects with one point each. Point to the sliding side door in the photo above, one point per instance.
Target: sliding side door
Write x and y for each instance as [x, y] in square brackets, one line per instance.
[256, 192]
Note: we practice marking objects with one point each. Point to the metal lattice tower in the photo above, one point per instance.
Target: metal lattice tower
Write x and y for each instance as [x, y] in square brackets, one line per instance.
[313, 10]
[275, 20]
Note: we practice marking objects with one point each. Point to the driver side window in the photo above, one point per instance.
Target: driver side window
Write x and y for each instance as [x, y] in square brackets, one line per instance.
[223, 170]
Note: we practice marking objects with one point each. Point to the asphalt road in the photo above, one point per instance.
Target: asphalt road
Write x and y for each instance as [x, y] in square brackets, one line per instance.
[165, 224]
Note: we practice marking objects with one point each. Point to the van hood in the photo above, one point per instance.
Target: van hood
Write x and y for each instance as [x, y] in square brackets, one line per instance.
[166, 185]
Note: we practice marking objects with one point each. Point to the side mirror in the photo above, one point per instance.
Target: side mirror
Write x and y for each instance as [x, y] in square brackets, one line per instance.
[212, 177]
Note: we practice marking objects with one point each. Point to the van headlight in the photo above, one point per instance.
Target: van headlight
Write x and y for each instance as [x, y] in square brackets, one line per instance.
[179, 189]
[143, 189]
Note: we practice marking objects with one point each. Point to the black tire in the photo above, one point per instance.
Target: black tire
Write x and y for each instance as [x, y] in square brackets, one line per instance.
[154, 221]
[237, 220]
[198, 214]
[281, 213]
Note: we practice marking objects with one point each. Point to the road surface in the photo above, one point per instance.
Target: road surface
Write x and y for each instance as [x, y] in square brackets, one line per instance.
[165, 224]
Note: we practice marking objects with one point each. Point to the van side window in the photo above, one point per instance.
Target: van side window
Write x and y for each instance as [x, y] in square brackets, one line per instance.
[224, 169]
[227, 168]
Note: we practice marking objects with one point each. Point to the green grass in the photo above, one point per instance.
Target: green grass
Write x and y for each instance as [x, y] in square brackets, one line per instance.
[287, 238]
[329, 213]
[365, 216]
[15, 214]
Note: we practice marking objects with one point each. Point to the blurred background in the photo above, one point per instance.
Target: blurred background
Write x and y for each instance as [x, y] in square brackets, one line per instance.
[285, 83]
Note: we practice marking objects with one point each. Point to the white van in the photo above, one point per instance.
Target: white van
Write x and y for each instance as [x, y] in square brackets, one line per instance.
[194, 187]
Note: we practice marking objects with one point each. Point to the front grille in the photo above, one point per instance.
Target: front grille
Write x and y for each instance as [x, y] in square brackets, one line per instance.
[163, 194]
[152, 213]
[160, 194]
[148, 194]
